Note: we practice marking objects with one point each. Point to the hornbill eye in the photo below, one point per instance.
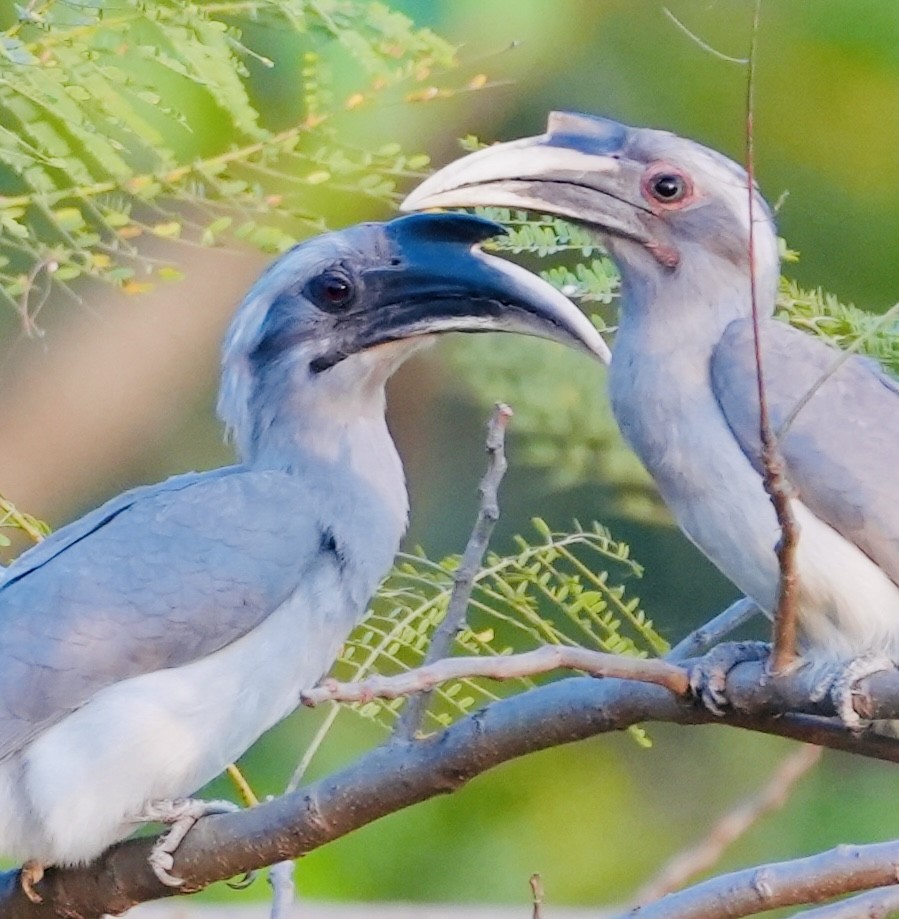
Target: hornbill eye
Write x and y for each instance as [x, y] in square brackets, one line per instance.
[331, 291]
[668, 187]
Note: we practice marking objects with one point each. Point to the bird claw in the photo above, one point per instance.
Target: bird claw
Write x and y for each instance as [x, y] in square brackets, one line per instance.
[30, 874]
[181, 815]
[843, 686]
[708, 676]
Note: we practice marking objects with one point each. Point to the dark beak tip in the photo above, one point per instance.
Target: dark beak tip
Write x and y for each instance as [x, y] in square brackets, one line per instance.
[446, 227]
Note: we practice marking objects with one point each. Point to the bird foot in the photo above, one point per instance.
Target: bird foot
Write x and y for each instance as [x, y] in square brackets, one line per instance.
[708, 676]
[30, 874]
[180, 814]
[842, 688]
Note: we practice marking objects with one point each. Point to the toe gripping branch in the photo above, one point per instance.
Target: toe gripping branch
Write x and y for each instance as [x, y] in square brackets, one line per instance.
[708, 676]
[181, 815]
[811, 686]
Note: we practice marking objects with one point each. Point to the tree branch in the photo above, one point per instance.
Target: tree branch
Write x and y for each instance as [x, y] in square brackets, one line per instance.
[507, 667]
[470, 564]
[875, 904]
[399, 774]
[804, 880]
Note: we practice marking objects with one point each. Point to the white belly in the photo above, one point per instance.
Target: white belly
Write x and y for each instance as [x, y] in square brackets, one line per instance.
[71, 792]
[848, 605]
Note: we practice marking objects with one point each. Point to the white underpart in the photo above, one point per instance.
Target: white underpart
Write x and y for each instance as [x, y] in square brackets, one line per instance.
[668, 412]
[164, 734]
[848, 606]
[78, 786]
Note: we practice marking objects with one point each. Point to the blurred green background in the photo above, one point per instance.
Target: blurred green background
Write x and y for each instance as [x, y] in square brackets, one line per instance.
[598, 818]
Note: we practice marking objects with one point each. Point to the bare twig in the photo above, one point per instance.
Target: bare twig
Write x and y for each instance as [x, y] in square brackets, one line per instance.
[703, 44]
[536, 883]
[312, 749]
[280, 877]
[509, 666]
[875, 904]
[714, 631]
[731, 826]
[804, 880]
[463, 579]
[247, 795]
[775, 478]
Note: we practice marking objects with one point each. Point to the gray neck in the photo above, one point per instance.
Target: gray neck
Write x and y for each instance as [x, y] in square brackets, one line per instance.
[665, 406]
[350, 436]
[330, 430]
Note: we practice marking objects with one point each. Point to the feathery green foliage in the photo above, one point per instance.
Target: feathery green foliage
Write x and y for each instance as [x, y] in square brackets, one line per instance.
[557, 588]
[843, 324]
[106, 131]
[11, 518]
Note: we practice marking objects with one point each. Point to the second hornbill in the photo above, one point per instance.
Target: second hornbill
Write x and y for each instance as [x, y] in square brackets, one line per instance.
[675, 218]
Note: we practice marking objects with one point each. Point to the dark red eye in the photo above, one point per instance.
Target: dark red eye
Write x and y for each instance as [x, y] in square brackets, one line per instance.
[668, 187]
[332, 290]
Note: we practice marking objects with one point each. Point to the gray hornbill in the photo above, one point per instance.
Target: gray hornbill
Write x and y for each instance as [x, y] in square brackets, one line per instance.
[675, 218]
[148, 644]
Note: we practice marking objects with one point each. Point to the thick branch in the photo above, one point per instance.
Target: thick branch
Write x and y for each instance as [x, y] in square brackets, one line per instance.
[399, 774]
[804, 880]
[875, 904]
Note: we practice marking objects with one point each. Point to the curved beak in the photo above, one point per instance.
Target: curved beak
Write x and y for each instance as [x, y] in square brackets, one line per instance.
[578, 170]
[434, 278]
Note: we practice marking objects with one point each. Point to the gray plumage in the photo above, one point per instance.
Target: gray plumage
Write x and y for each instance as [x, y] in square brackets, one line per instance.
[843, 442]
[148, 644]
[682, 381]
[171, 575]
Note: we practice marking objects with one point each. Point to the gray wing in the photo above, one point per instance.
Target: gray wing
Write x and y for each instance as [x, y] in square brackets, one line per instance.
[153, 580]
[93, 520]
[842, 449]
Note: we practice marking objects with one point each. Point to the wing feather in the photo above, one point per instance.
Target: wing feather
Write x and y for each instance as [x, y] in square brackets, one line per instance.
[842, 448]
[154, 579]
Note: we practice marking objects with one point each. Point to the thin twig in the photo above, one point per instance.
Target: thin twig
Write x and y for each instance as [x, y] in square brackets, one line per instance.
[776, 484]
[703, 44]
[506, 667]
[536, 883]
[875, 904]
[248, 796]
[731, 826]
[312, 749]
[280, 877]
[713, 631]
[465, 574]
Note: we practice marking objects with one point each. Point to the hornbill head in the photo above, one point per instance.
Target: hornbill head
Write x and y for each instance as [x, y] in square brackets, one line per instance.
[328, 322]
[661, 203]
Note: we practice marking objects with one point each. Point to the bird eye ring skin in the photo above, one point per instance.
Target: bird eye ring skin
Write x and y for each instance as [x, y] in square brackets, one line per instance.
[683, 375]
[148, 644]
